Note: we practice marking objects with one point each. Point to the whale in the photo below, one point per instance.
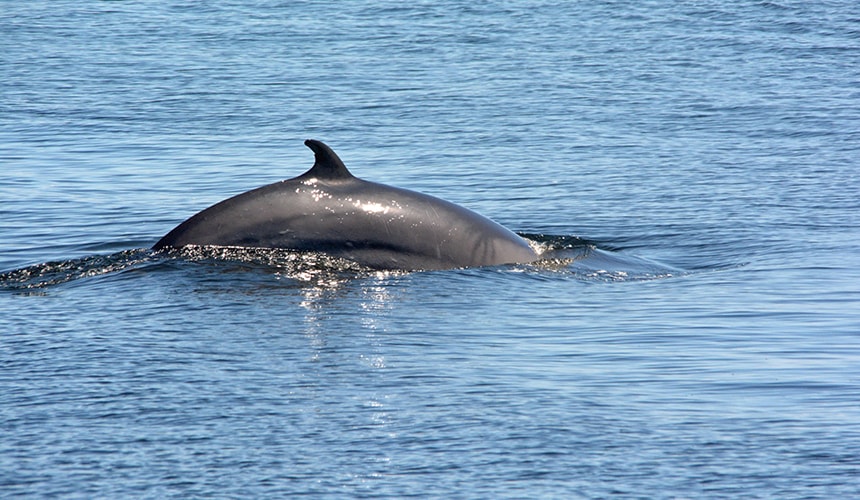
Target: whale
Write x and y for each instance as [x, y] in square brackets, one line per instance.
[329, 210]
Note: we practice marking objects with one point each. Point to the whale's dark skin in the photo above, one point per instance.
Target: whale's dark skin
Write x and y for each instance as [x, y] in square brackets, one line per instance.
[329, 210]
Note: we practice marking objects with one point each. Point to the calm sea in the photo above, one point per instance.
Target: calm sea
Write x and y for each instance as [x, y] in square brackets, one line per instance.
[699, 162]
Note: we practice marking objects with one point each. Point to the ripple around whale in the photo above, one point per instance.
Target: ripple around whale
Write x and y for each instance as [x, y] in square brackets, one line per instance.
[561, 256]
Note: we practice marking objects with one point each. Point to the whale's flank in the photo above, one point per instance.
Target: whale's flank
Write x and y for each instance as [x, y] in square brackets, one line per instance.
[375, 225]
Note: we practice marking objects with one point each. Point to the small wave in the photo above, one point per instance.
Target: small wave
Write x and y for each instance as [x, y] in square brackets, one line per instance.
[58, 272]
[303, 267]
[586, 260]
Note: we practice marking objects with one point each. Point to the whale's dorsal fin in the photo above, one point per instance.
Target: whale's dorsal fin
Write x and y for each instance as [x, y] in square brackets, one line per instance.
[327, 165]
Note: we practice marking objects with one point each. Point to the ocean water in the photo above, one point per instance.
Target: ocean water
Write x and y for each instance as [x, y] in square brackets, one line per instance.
[697, 162]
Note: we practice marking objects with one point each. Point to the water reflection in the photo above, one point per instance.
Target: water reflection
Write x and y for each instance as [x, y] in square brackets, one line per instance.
[330, 302]
[346, 325]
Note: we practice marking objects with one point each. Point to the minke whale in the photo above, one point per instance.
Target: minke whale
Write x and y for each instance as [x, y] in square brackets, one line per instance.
[329, 210]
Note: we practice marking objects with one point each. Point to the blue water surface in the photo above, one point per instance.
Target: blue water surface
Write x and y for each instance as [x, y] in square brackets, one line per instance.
[696, 162]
